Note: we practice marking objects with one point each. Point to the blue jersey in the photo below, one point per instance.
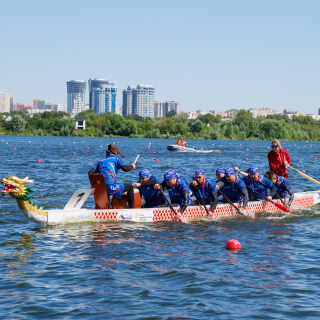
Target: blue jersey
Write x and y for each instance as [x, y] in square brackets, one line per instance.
[152, 197]
[205, 190]
[233, 191]
[176, 192]
[109, 168]
[283, 186]
[259, 186]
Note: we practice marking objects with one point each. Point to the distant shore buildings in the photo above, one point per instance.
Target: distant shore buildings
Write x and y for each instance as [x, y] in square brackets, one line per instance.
[76, 90]
[4, 102]
[138, 100]
[161, 108]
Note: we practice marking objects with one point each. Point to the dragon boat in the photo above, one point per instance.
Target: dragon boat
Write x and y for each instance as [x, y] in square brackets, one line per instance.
[118, 209]
[177, 148]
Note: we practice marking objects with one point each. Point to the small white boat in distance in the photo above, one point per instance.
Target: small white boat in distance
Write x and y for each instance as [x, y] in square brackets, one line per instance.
[177, 148]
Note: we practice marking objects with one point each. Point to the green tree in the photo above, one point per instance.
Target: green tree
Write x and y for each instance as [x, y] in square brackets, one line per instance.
[17, 124]
[171, 113]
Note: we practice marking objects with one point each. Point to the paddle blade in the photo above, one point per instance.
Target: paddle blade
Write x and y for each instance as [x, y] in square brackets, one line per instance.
[281, 207]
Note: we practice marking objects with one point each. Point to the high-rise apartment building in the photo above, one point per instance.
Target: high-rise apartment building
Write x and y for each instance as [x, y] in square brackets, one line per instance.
[103, 96]
[11, 103]
[94, 84]
[4, 102]
[76, 96]
[161, 108]
[139, 100]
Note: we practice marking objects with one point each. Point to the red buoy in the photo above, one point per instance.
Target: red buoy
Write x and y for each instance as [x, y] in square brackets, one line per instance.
[303, 170]
[157, 159]
[148, 148]
[315, 158]
[73, 153]
[233, 245]
[14, 148]
[87, 148]
[246, 159]
[219, 152]
[40, 145]
[153, 152]
[38, 160]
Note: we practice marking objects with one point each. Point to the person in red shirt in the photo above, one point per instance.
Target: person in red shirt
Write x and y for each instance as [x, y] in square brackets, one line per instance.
[279, 159]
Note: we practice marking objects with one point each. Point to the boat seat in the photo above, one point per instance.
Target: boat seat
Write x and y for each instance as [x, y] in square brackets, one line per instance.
[101, 197]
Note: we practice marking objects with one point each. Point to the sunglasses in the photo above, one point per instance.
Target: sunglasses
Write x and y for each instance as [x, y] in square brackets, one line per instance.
[274, 146]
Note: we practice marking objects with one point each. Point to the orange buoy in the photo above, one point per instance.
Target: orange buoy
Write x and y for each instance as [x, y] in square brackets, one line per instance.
[157, 159]
[246, 159]
[233, 245]
[73, 153]
[38, 160]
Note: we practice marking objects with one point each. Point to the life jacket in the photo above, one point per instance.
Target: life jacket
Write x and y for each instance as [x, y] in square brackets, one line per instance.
[178, 142]
[183, 143]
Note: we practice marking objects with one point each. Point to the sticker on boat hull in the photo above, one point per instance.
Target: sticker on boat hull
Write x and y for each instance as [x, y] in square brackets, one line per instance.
[144, 215]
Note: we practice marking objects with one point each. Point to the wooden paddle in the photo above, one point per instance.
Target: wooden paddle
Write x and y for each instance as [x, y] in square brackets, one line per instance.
[304, 175]
[231, 203]
[278, 205]
[135, 161]
[278, 195]
[202, 202]
[170, 205]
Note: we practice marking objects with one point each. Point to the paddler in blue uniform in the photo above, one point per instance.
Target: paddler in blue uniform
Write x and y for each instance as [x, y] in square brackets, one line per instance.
[152, 197]
[178, 190]
[282, 184]
[109, 168]
[220, 172]
[233, 188]
[260, 184]
[207, 189]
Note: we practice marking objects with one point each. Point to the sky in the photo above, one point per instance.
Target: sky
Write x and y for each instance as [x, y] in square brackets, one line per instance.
[208, 55]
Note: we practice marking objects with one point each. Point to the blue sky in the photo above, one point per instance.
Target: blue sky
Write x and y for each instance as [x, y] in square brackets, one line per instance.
[205, 54]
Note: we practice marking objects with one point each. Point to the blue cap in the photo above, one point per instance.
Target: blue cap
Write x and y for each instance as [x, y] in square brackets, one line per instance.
[144, 173]
[230, 171]
[253, 169]
[200, 171]
[169, 174]
[221, 170]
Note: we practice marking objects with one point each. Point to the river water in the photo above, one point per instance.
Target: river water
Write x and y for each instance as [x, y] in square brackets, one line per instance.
[160, 270]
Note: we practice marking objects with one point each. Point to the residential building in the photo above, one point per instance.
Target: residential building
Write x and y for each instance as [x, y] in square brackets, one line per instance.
[38, 104]
[20, 106]
[76, 96]
[94, 84]
[48, 106]
[11, 103]
[103, 98]
[118, 108]
[80, 124]
[6, 118]
[296, 113]
[161, 108]
[15, 107]
[139, 100]
[4, 102]
[319, 111]
[127, 100]
[60, 107]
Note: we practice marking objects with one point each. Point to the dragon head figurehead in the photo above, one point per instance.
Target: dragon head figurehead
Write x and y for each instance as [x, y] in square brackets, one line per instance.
[16, 187]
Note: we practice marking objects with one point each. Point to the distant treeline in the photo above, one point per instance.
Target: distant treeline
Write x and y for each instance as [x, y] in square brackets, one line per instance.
[240, 126]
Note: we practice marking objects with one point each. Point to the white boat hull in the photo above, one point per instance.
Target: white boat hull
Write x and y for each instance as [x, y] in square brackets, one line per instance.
[56, 217]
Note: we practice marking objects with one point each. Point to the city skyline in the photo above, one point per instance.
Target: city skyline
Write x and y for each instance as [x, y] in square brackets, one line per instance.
[207, 54]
